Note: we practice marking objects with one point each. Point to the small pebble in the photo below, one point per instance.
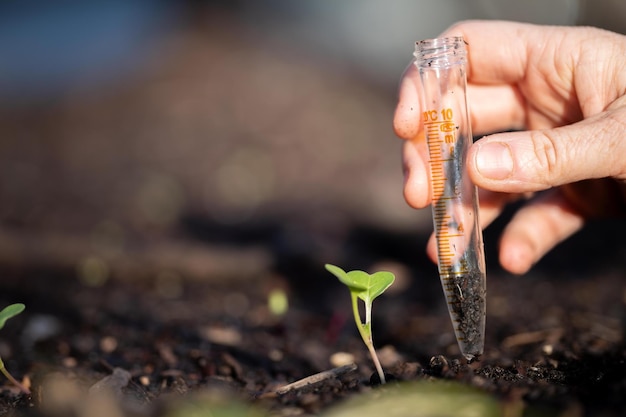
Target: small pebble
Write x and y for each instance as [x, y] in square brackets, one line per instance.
[276, 355]
[108, 344]
[341, 359]
[222, 335]
[548, 349]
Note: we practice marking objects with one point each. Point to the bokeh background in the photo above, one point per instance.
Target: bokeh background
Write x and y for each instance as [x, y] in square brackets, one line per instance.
[215, 136]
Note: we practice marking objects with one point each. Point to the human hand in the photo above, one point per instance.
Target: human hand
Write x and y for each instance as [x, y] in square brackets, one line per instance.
[564, 90]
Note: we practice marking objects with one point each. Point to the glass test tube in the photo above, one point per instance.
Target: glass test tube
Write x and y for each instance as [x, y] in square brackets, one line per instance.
[461, 260]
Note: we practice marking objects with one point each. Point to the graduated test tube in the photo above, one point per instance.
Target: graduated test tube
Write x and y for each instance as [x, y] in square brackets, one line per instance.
[441, 64]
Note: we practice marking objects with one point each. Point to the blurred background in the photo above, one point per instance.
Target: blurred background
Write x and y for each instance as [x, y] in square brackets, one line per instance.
[166, 133]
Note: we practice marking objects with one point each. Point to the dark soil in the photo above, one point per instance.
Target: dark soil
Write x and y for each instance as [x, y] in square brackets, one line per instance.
[136, 257]
[554, 338]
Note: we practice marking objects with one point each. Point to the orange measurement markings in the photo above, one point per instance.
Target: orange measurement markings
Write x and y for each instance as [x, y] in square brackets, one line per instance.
[439, 130]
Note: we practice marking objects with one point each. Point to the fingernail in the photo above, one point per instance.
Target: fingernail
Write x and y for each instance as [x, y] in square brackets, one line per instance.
[494, 161]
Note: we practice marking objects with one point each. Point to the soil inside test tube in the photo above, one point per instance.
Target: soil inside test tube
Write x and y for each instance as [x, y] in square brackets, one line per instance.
[466, 299]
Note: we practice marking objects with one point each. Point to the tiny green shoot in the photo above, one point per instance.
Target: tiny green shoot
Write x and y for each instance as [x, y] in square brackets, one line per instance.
[8, 312]
[278, 302]
[365, 287]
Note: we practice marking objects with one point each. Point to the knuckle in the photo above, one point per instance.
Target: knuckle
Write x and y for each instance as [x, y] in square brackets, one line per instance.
[546, 152]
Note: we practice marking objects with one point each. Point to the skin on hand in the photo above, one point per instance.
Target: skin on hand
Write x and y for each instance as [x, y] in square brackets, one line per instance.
[562, 89]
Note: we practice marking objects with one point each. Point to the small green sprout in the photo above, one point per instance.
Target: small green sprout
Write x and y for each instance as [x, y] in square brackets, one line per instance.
[8, 312]
[365, 287]
[278, 302]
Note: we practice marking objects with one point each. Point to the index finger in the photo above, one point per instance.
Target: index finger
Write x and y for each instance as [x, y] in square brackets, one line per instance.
[498, 50]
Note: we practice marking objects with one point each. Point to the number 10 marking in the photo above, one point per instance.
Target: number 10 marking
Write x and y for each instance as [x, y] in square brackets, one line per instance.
[433, 116]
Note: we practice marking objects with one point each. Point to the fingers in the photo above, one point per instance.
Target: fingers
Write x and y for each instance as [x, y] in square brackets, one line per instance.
[507, 59]
[495, 108]
[499, 107]
[492, 108]
[492, 93]
[407, 120]
[537, 160]
[535, 229]
[491, 205]
[500, 51]
[416, 173]
[491, 89]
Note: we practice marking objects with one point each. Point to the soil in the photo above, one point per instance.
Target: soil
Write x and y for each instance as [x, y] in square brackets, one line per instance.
[146, 277]
[554, 338]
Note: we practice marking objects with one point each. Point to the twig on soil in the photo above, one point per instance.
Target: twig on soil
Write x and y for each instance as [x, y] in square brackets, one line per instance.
[315, 379]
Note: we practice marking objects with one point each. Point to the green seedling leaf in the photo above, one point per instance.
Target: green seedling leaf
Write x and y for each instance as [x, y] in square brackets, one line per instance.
[376, 284]
[352, 280]
[365, 287]
[10, 311]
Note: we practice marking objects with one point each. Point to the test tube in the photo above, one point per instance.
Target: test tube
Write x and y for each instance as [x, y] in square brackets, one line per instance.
[461, 261]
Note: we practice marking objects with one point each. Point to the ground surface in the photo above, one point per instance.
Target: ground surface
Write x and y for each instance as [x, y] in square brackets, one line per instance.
[146, 226]
[554, 339]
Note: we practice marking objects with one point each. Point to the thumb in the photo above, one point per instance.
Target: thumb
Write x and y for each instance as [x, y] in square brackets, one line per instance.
[537, 160]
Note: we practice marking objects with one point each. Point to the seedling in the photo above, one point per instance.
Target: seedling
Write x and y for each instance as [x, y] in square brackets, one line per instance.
[365, 287]
[8, 312]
